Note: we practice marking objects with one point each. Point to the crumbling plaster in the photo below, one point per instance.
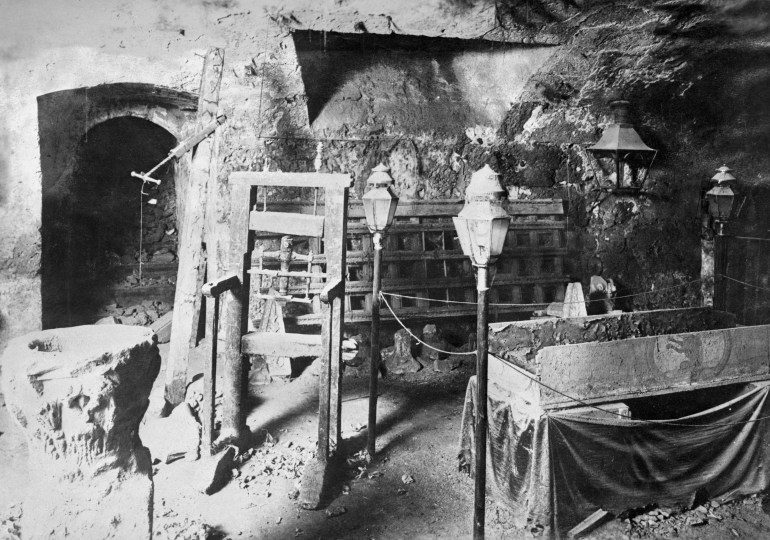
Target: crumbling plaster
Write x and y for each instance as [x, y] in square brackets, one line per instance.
[694, 69]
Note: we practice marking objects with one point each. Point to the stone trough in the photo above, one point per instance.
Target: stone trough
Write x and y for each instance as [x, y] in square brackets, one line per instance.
[584, 410]
[606, 358]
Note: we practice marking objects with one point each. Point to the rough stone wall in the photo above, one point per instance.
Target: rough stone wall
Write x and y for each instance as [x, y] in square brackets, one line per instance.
[695, 70]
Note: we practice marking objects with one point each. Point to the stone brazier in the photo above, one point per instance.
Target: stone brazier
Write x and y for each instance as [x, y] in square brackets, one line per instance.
[79, 395]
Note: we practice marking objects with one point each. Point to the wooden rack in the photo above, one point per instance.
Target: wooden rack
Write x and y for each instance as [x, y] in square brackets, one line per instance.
[422, 258]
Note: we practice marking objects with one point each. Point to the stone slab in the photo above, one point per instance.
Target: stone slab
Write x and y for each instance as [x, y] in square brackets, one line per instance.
[520, 341]
[617, 370]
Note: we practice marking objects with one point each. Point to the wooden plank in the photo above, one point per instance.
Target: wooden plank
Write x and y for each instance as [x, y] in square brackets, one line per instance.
[431, 208]
[588, 524]
[412, 313]
[282, 179]
[287, 223]
[280, 273]
[278, 344]
[335, 247]
[191, 270]
[357, 257]
[402, 285]
[618, 370]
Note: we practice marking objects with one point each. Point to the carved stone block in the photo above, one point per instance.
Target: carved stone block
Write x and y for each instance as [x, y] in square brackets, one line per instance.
[79, 395]
[398, 359]
[430, 357]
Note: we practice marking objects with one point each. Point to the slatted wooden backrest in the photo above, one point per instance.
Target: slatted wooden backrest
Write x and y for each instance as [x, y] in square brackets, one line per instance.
[423, 259]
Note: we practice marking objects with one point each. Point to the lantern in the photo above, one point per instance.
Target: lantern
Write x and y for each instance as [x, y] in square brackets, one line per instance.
[380, 202]
[482, 224]
[624, 146]
[721, 198]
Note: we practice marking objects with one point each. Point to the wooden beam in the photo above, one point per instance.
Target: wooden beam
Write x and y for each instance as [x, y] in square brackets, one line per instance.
[236, 312]
[588, 524]
[190, 275]
[419, 208]
[287, 223]
[282, 179]
[278, 344]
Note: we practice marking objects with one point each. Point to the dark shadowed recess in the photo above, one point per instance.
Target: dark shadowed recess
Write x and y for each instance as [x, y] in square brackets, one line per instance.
[330, 59]
[98, 216]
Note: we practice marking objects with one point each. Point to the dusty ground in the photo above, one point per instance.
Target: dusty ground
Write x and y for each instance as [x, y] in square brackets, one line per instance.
[419, 430]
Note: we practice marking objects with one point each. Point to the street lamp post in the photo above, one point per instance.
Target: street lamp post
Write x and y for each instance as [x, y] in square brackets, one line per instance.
[379, 206]
[720, 200]
[482, 226]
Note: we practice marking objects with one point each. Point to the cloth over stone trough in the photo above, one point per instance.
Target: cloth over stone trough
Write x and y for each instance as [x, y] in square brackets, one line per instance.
[554, 465]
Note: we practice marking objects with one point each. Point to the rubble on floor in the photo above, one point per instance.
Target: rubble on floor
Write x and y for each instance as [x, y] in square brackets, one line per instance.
[141, 314]
[664, 522]
[169, 525]
[274, 458]
[10, 522]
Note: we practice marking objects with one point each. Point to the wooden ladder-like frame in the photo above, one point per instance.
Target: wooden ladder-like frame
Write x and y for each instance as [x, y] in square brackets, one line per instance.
[245, 220]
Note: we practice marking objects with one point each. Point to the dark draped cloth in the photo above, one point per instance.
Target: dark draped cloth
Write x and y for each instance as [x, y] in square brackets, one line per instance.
[553, 469]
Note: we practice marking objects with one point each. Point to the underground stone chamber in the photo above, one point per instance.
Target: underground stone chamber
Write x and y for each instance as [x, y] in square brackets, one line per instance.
[97, 225]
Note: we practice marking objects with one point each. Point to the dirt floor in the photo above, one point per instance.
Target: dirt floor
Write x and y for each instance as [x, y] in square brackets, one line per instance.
[412, 490]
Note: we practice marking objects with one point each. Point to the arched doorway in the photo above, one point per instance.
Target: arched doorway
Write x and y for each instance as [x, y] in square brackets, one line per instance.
[111, 250]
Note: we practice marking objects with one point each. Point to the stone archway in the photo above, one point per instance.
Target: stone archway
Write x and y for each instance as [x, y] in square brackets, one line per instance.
[90, 141]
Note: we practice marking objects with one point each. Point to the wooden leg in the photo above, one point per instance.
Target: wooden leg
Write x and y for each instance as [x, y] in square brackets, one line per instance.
[315, 477]
[335, 375]
[210, 381]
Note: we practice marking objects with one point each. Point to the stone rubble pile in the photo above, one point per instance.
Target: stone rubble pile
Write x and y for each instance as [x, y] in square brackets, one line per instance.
[133, 280]
[661, 522]
[169, 525]
[407, 355]
[143, 314]
[286, 460]
[159, 234]
[10, 522]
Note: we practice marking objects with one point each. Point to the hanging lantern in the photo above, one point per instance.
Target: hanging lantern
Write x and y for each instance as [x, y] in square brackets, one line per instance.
[380, 202]
[621, 143]
[482, 224]
[721, 198]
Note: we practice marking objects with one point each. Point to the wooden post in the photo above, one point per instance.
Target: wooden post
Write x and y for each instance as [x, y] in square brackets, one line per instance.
[375, 353]
[707, 274]
[479, 506]
[242, 197]
[335, 243]
[187, 299]
[720, 267]
[210, 380]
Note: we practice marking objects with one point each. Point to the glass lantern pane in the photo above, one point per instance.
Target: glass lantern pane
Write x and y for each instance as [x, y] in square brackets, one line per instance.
[499, 234]
[725, 205]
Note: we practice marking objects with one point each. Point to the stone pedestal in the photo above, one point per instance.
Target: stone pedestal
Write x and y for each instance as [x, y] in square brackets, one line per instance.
[79, 395]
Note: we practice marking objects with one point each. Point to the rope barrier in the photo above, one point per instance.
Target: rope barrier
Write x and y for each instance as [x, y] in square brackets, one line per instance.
[569, 397]
[751, 238]
[497, 304]
[382, 297]
[635, 420]
[744, 283]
